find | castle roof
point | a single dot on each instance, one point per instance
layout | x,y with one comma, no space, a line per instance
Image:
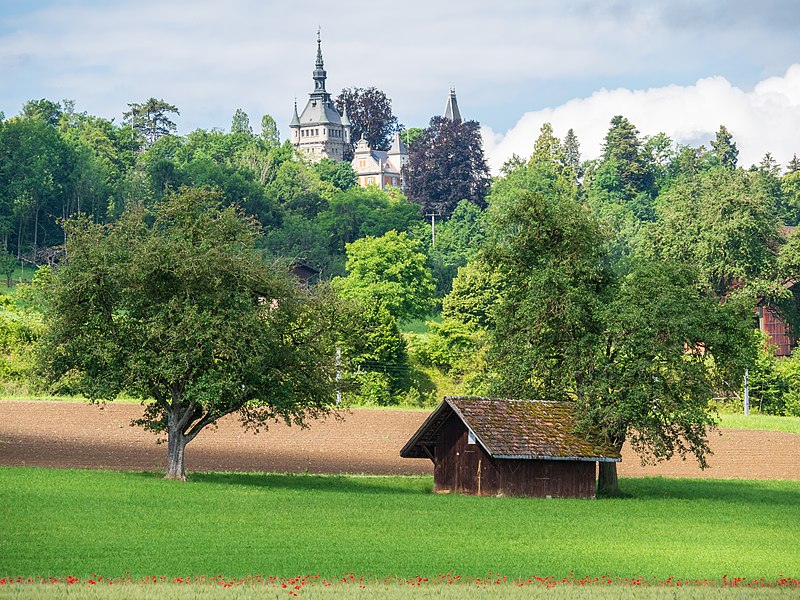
398,147
319,109
451,111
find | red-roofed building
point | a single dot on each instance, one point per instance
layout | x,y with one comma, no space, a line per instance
494,447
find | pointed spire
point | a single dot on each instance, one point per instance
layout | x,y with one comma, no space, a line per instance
345,120
320,64
295,119
451,111
319,72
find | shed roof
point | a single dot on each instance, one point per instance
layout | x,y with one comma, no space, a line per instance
523,429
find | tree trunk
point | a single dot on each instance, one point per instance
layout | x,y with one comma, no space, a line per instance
607,482
176,443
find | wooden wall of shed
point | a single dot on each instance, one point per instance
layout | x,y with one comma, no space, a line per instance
467,469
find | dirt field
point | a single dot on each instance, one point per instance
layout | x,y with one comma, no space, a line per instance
78,435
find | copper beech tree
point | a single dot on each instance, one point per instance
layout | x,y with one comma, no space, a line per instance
174,306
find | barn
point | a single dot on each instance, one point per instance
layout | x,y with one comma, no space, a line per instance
492,447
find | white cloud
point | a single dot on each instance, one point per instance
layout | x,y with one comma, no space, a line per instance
766,119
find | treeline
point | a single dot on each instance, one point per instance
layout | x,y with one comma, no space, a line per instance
607,279
648,211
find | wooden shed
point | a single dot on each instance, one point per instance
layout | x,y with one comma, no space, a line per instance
491,447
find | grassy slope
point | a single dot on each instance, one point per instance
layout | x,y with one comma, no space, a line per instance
761,422
83,522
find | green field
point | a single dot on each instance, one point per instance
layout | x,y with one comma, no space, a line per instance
760,422
80,523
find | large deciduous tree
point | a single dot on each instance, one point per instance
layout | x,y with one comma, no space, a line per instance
175,307
446,165
724,222
391,271
150,119
632,351
370,115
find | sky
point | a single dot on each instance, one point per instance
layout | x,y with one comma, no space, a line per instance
682,67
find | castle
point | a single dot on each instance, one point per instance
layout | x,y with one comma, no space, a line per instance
321,132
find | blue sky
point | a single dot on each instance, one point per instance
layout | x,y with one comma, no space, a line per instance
679,66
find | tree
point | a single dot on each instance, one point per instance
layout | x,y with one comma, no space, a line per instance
457,242
240,123
629,175
446,165
269,131
36,172
340,174
567,326
175,307
724,148
390,271
547,148
572,154
723,222
8,264
150,119
370,115
45,110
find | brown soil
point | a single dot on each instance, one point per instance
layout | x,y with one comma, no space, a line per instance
78,435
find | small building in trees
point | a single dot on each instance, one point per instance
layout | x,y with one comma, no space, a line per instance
378,167
305,273
778,332
494,447
320,131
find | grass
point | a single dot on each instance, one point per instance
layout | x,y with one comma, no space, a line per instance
79,523
761,422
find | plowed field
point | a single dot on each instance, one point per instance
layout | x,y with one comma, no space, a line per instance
79,435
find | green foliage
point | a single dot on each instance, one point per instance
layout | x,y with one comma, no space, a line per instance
724,149
390,527
374,352
723,222
36,169
775,382
269,131
360,212
240,123
568,326
175,304
20,328
450,346
339,174
477,290
458,240
150,119
8,265
391,271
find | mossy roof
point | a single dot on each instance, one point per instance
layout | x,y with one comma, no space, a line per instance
519,429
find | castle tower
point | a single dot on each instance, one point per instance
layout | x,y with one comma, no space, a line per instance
451,111
320,131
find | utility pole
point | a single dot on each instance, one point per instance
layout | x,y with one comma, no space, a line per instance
433,216
746,394
338,375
